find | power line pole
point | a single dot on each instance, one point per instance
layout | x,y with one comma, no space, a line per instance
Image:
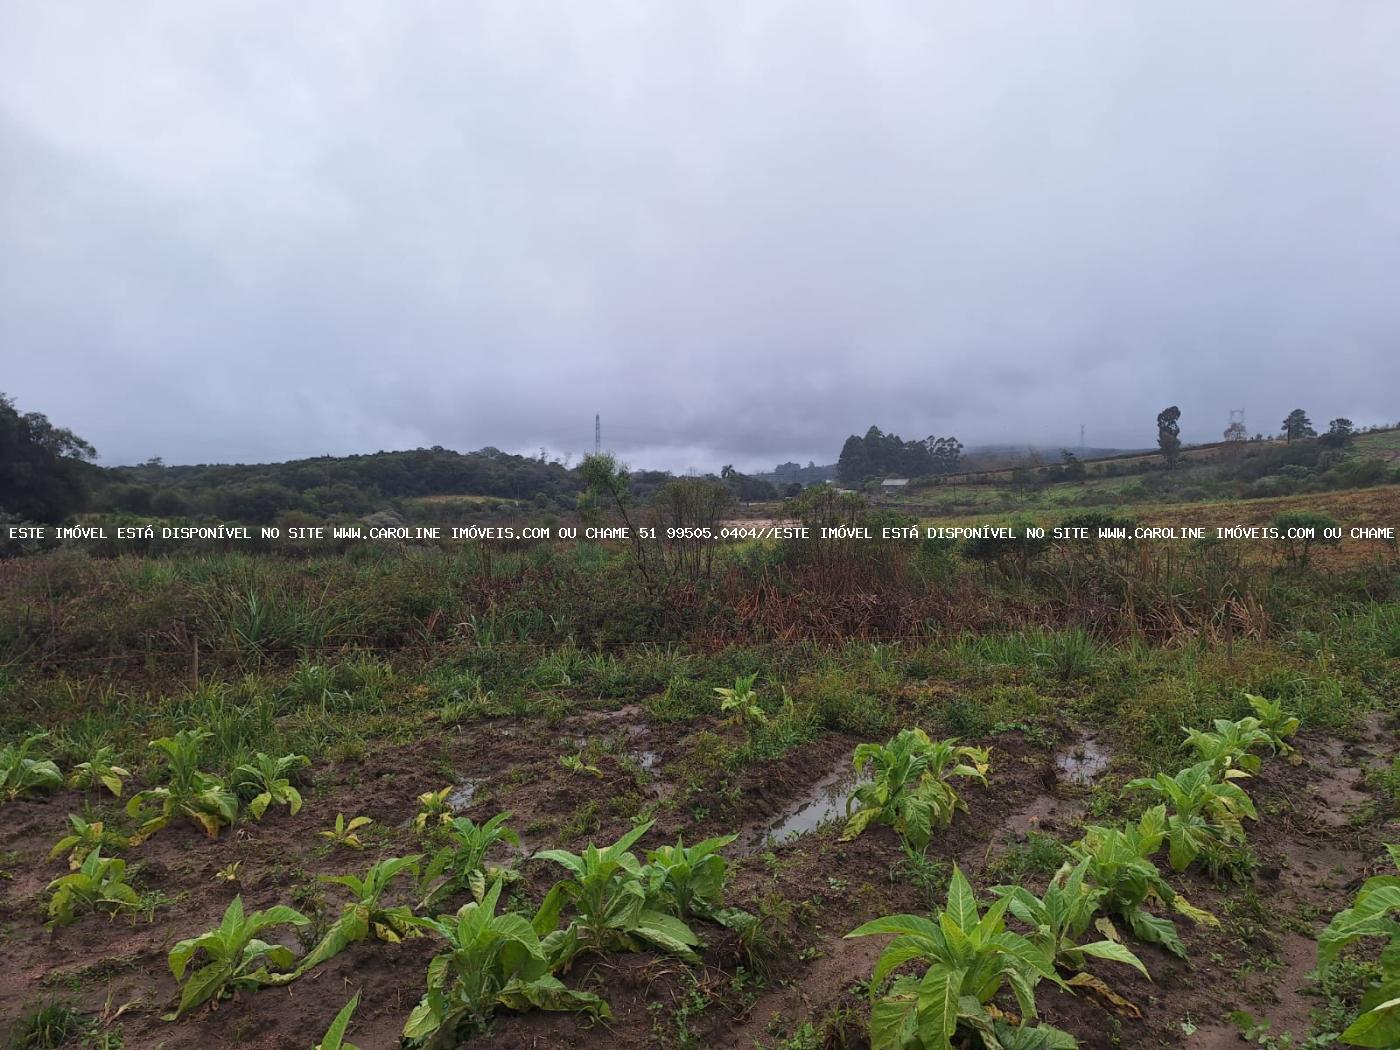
1081,438
597,433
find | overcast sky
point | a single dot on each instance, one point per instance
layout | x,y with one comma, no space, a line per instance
238,231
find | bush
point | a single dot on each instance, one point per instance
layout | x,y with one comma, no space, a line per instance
1355,474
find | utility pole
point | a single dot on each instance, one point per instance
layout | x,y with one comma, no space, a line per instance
597,433
1081,438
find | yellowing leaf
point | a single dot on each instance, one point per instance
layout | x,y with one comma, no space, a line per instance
1111,999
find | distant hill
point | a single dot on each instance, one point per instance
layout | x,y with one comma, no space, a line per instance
996,457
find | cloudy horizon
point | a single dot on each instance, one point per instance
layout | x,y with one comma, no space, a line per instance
240,231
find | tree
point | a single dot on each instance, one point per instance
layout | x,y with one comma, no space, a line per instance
878,454
946,452
1339,433
1297,426
1073,469
1169,434
687,515
41,468
1236,432
606,484
853,464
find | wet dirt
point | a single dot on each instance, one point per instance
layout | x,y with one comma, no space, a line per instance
825,801
1306,869
460,800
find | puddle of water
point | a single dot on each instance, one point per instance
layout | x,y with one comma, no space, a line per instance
1043,810
825,801
461,798
1083,762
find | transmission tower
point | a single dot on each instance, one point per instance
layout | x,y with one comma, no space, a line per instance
1236,431
597,433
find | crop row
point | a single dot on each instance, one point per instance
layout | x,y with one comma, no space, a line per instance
936,984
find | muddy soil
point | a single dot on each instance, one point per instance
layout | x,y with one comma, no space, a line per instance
1318,834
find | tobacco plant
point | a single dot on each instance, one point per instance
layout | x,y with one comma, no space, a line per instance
1060,918
21,773
202,797
98,771
99,884
1207,813
491,960
334,1039
266,781
689,880
1275,722
576,764
343,833
461,864
365,915
911,787
232,955
85,838
1230,746
740,703
433,809
608,895
1119,861
967,957
231,872
1374,913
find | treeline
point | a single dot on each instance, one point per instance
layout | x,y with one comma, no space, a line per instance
43,468
329,486
46,476
879,455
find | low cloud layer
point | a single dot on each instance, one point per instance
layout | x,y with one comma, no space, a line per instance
249,231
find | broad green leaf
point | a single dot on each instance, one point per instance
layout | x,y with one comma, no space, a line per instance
962,903
938,994
1114,952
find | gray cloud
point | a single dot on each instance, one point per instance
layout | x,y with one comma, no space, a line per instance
238,231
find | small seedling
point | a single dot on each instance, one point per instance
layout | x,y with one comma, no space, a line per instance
343,834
